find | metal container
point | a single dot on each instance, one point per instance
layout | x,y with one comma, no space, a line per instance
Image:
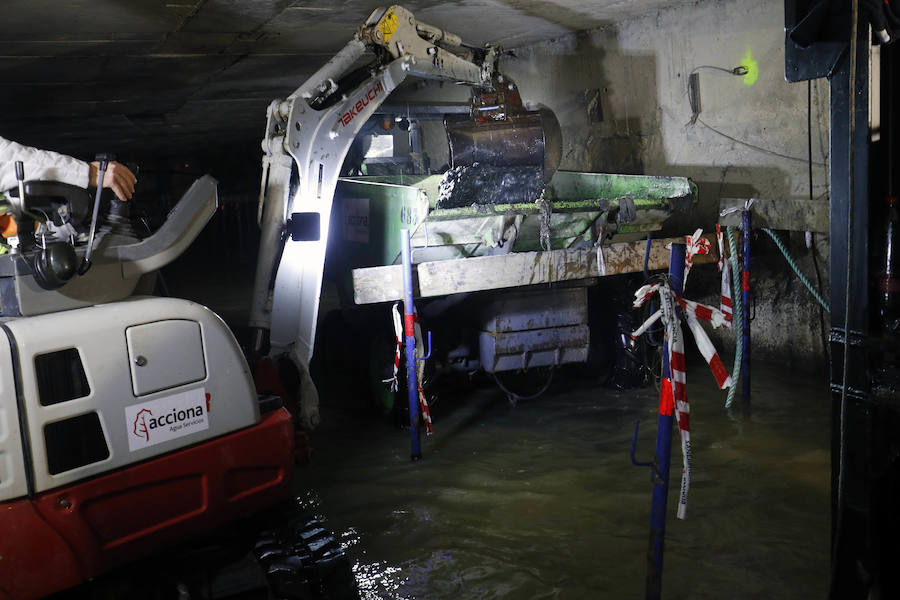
372,210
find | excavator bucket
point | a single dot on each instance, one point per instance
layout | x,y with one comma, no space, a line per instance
501,133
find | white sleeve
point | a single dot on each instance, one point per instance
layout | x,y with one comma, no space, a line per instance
40,165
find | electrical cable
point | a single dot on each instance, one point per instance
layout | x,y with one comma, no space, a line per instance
694,86
754,146
842,419
695,107
851,176
815,260
517,397
740,70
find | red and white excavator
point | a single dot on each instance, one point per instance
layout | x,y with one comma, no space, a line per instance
130,423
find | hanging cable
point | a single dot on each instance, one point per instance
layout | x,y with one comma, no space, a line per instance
515,397
851,197
815,259
739,70
754,146
842,419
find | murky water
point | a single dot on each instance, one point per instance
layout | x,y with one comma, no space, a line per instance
541,500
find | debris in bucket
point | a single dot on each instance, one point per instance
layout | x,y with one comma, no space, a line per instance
487,184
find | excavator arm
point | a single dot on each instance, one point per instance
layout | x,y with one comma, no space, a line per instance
308,134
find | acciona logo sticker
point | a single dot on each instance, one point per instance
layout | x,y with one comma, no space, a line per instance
169,418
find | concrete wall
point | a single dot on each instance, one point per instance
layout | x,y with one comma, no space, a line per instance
749,141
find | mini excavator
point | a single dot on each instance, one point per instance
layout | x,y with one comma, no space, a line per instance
309,133
130,423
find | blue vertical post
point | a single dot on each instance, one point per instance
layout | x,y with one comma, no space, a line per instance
745,300
664,426
409,328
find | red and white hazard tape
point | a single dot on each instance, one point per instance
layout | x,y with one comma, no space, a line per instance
721,247
398,334
723,379
420,373
726,304
420,366
713,316
696,244
673,396
682,413
644,293
693,312
426,412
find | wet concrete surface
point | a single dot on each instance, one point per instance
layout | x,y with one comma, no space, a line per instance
541,500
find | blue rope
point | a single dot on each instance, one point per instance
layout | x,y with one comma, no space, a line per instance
737,316
652,331
796,269
647,254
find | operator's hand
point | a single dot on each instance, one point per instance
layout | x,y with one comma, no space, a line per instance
119,179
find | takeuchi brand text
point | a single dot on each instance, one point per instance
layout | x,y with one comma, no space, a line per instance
363,102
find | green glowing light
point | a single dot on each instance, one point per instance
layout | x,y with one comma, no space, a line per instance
752,68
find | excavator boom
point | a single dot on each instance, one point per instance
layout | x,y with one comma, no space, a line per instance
309,133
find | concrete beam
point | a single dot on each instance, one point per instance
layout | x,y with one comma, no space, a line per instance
441,278
790,214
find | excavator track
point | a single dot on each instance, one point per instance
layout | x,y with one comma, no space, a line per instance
302,559
284,553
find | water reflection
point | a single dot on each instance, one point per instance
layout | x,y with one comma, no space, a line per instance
379,580
541,500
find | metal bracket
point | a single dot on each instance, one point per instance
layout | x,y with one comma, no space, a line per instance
637,463
852,392
857,338
427,356
857,384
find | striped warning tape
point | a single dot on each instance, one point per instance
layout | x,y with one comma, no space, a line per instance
398,332
726,304
673,396
394,381
696,244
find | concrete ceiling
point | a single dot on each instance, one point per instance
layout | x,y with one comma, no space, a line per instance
168,78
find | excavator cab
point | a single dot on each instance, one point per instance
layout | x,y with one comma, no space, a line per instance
46,229
128,423
47,241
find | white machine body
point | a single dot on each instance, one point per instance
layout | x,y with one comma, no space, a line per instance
92,390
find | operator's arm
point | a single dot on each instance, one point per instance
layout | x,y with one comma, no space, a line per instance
44,165
40,165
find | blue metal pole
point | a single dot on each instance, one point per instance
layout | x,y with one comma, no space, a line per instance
409,328
664,425
745,299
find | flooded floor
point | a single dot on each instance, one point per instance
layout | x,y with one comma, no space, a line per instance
541,500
